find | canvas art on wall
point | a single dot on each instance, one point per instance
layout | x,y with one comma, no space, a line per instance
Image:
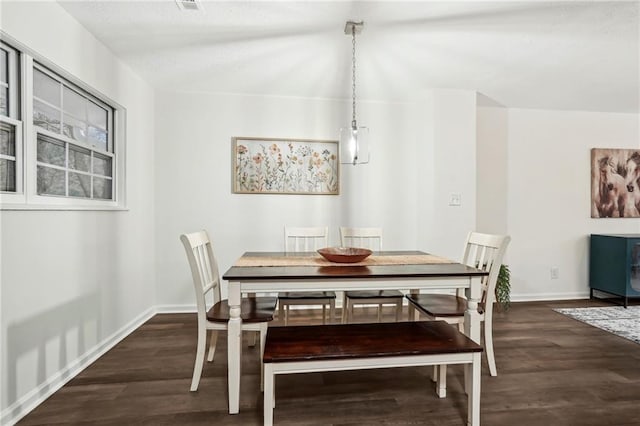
615,175
285,166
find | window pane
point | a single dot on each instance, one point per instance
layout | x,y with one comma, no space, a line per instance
7,140
79,158
4,66
102,188
46,88
4,101
79,185
74,104
50,181
97,138
97,115
101,165
74,128
46,117
51,151
7,175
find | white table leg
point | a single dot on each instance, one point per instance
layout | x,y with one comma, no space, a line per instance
472,322
471,316
234,342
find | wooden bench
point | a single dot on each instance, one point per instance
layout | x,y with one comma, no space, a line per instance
306,349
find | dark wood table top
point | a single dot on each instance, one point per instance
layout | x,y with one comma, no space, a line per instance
346,271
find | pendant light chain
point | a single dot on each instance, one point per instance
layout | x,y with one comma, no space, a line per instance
353,76
354,140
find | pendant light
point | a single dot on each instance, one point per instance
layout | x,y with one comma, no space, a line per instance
354,140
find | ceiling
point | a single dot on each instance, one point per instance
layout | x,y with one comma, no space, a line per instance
563,55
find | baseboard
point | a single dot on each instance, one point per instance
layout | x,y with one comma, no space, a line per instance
176,309
16,411
541,297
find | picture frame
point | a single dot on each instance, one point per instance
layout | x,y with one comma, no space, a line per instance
285,166
615,183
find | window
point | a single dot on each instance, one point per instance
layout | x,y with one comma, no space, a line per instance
61,142
10,134
7,157
4,81
74,149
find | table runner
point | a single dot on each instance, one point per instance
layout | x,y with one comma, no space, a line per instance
317,260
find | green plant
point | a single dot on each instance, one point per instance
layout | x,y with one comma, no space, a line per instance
503,288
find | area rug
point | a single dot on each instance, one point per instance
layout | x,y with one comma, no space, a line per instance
614,319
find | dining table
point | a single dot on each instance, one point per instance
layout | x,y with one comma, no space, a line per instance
407,270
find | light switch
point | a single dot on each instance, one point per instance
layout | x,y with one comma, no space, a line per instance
455,199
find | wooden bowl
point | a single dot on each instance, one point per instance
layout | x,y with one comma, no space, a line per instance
344,254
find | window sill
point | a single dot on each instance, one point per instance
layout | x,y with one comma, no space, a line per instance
17,207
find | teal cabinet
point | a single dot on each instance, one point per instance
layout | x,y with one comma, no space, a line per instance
614,265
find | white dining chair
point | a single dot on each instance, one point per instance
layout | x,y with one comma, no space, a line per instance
212,311
370,238
306,239
482,251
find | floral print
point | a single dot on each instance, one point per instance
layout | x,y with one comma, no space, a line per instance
286,166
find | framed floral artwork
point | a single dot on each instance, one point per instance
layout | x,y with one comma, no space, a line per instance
285,166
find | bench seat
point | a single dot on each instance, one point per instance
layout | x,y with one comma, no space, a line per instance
304,349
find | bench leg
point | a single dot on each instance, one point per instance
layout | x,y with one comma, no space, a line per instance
269,399
473,415
441,380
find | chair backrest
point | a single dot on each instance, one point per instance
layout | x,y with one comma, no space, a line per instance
485,251
305,239
204,269
370,238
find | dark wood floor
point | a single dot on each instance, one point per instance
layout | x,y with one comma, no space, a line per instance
552,371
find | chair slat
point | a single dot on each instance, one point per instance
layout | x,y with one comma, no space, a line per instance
483,251
306,240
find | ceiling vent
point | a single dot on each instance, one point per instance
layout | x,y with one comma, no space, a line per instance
189,4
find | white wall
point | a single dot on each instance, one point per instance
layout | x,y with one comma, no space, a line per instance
492,178
548,193
193,159
452,127
72,282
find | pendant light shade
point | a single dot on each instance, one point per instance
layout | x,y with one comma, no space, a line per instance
354,140
354,145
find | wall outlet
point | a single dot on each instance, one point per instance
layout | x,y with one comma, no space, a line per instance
555,272
455,199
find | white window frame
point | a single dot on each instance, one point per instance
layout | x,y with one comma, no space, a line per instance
15,67
17,125
28,198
